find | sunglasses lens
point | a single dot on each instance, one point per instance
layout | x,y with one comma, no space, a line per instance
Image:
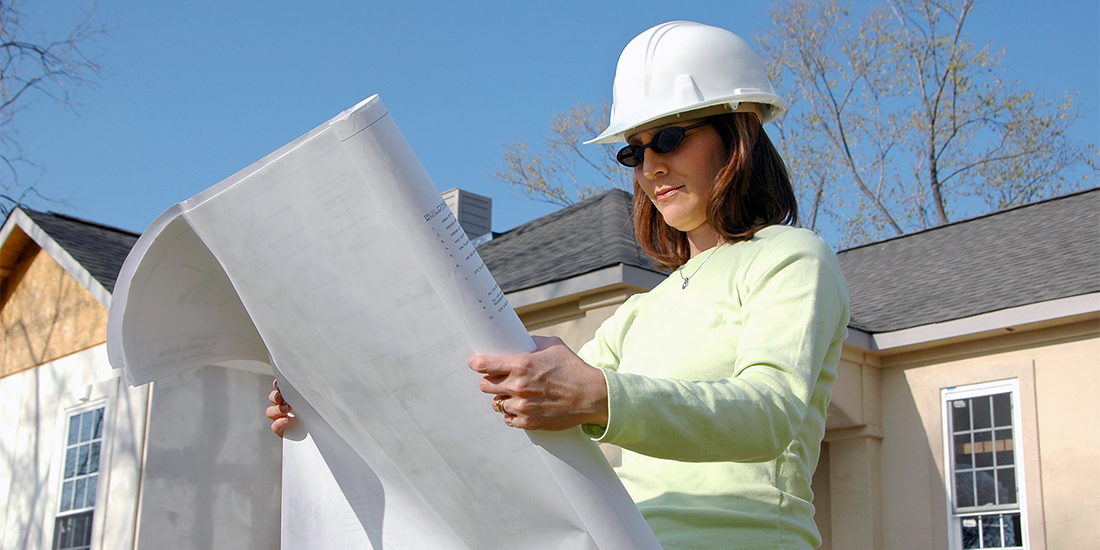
663,142
666,140
628,156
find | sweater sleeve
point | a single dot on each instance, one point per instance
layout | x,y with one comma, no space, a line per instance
794,314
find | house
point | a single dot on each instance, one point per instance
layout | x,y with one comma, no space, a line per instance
963,415
965,407
997,314
89,462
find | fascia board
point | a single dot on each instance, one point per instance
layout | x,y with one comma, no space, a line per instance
884,341
859,338
616,274
985,322
57,252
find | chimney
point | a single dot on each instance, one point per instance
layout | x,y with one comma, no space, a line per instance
474,212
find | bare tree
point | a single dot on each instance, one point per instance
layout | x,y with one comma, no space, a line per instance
565,171
35,66
898,123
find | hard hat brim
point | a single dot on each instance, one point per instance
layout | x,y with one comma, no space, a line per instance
767,106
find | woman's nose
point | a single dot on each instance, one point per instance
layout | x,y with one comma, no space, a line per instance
653,165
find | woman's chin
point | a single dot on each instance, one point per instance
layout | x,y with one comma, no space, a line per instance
680,224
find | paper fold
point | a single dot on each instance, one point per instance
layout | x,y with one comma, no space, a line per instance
335,260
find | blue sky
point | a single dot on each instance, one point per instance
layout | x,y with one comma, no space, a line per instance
194,91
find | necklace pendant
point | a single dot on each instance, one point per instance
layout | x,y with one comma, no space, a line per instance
685,285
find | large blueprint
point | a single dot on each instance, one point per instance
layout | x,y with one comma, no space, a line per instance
335,260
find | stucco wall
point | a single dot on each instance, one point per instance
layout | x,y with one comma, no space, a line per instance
212,466
34,406
212,472
575,321
880,480
1060,450
822,504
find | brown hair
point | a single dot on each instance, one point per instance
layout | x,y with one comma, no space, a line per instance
752,191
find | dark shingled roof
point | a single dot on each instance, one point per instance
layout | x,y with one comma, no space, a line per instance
584,237
1032,253
99,248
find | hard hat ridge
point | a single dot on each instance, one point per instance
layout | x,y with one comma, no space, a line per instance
680,67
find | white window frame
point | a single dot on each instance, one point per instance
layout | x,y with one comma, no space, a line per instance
954,519
101,477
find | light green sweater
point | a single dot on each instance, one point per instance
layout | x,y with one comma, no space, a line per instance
717,392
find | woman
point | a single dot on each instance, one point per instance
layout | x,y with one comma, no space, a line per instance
715,383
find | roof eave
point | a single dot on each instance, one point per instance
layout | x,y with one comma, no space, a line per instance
19,218
1004,320
612,275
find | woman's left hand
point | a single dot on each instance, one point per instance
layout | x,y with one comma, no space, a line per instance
546,389
279,412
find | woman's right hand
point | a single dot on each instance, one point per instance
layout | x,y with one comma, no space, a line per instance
279,412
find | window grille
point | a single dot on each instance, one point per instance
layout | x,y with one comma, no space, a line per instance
80,481
983,466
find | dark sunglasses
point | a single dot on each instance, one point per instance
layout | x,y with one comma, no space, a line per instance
664,141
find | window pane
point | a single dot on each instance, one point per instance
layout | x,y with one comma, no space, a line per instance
82,460
73,532
70,463
78,493
74,430
970,535
980,406
93,459
1003,446
82,532
960,415
984,472
964,459
991,531
987,487
67,496
87,425
63,533
1002,409
1014,534
983,449
1006,481
97,419
89,492
80,484
964,489
86,541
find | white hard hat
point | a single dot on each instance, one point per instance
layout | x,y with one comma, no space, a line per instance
680,67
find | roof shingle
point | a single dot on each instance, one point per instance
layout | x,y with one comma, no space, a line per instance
99,248
581,238
1032,253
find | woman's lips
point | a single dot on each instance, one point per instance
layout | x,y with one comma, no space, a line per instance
667,193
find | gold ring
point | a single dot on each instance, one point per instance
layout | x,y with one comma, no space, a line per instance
498,405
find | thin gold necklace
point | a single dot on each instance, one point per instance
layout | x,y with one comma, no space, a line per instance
688,278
